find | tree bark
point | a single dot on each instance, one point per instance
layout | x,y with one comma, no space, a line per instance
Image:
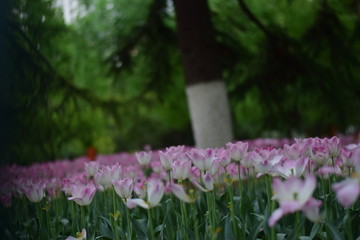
206,92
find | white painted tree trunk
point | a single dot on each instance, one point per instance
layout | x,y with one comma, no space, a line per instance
210,114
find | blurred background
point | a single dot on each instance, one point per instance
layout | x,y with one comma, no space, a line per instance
107,74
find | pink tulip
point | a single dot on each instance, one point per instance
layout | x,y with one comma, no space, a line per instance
35,191
347,191
295,151
202,159
180,193
102,180
171,154
333,145
266,160
155,192
144,158
181,169
83,194
208,183
294,195
91,168
292,167
237,150
124,187
140,189
224,157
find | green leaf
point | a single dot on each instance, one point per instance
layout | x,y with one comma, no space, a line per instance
315,229
296,229
227,228
140,228
102,237
334,231
105,230
254,232
280,236
159,228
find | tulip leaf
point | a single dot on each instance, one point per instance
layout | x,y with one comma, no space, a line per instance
105,230
280,236
305,238
140,228
227,228
158,228
254,232
334,231
315,229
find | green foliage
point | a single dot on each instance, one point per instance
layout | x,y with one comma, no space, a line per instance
113,79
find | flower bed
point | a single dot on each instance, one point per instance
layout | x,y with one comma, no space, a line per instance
302,189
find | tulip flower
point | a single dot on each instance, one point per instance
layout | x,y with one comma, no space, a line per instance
144,158
208,183
295,195
295,151
168,157
140,189
292,167
224,157
102,180
124,188
181,169
202,159
180,193
82,194
348,190
35,191
333,145
237,150
91,168
155,192
266,160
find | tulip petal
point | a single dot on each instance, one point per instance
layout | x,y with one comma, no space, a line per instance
138,201
275,216
347,191
155,192
196,184
180,193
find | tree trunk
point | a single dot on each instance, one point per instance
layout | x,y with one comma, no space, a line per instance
206,92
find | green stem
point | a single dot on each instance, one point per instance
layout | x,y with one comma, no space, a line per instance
150,228
50,232
348,225
299,231
240,202
213,202
211,224
323,186
82,217
270,204
231,205
129,225
73,217
114,201
114,215
39,214
184,219
196,228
